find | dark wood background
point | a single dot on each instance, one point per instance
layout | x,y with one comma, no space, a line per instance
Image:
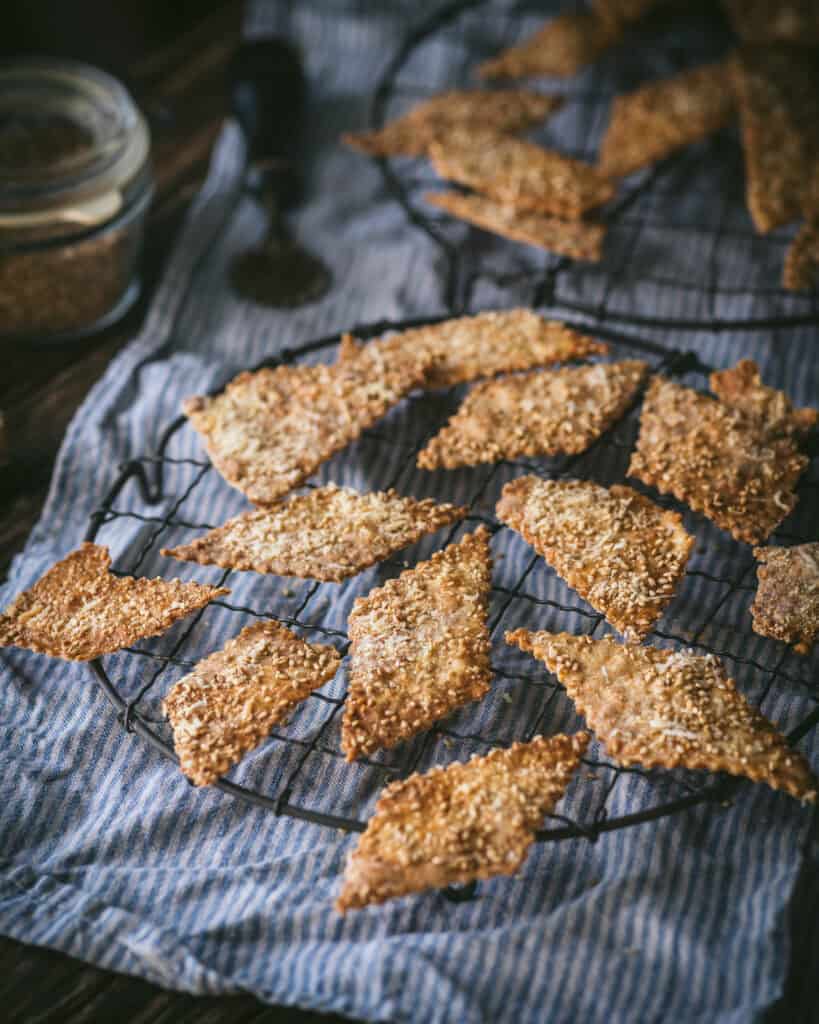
172,54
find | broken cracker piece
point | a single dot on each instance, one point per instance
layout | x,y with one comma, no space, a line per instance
621,552
544,412
329,534
502,110
561,47
716,460
768,21
232,699
786,606
771,410
577,239
655,120
269,430
668,709
520,174
79,610
419,647
801,270
460,823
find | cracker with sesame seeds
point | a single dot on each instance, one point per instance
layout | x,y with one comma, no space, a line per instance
419,647
801,270
234,697
330,534
269,430
544,412
79,610
786,606
668,709
467,821
577,239
740,387
764,21
561,47
657,119
618,550
716,460
520,174
468,348
502,110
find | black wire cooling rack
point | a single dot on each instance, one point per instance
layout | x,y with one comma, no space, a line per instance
680,241
710,614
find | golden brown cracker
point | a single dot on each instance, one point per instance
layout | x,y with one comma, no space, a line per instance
561,47
786,606
741,388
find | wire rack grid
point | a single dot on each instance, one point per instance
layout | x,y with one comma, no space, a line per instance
300,770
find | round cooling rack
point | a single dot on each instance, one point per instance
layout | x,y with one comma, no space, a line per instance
681,251
155,493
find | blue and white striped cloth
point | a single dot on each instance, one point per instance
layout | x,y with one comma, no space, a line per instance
109,855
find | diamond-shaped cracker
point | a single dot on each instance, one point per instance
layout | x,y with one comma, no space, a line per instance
766,21
419,647
618,550
78,610
498,341
232,699
655,120
561,47
460,823
668,709
778,95
545,412
269,430
577,239
786,606
520,174
329,534
716,460
502,110
741,388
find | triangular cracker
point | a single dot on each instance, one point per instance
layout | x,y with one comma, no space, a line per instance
668,709
545,412
766,21
268,431
78,610
520,173
577,239
771,410
801,270
618,550
232,699
460,823
502,110
786,606
655,120
329,534
716,460
561,47
419,647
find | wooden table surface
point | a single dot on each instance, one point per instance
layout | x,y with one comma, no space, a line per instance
173,58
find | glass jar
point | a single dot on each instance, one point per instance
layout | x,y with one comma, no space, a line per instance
75,185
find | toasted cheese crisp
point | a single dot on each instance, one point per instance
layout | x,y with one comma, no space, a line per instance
499,341
329,534
716,460
561,47
460,823
767,21
268,431
741,388
655,120
668,709
577,239
618,550
78,610
778,95
520,174
786,606
801,270
232,699
419,647
545,412
501,110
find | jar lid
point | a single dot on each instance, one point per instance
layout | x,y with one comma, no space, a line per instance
71,141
